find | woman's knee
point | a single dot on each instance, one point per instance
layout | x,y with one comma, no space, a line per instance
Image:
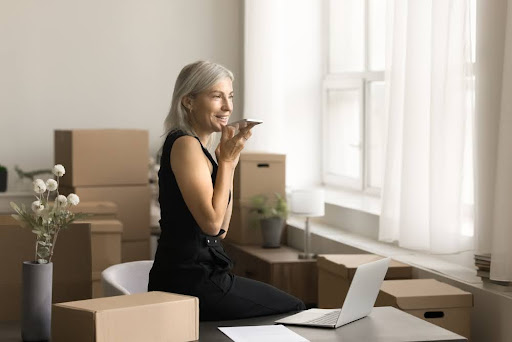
300,305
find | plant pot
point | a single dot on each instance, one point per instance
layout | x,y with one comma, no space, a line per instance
3,180
36,302
271,230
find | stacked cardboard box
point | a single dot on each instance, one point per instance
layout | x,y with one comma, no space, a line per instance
106,232
431,300
257,173
336,271
110,165
71,265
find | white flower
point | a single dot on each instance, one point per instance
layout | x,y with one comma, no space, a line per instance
62,200
73,199
39,186
51,184
59,170
37,207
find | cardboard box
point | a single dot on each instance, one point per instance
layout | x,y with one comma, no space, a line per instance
150,316
431,300
336,271
259,173
71,265
100,210
105,243
132,203
244,227
135,250
95,157
97,287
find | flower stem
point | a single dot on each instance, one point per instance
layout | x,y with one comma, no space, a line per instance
37,243
53,243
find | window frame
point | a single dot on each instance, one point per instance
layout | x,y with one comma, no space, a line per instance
348,80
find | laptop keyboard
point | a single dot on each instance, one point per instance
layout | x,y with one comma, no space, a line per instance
329,318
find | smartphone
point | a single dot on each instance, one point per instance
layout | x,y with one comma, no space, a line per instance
244,123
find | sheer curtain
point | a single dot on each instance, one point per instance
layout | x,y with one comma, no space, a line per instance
428,100
263,82
493,135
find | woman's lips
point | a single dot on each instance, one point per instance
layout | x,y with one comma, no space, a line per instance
223,119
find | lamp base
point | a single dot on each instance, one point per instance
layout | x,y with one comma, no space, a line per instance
307,256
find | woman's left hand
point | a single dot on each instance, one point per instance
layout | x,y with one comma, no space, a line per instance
239,139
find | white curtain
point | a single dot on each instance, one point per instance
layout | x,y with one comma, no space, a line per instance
493,136
283,47
426,73
263,83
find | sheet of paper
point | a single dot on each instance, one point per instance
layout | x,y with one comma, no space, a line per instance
258,333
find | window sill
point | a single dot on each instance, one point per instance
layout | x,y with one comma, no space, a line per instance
19,197
327,239
353,200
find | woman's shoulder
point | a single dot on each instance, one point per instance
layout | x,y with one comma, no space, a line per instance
174,135
180,140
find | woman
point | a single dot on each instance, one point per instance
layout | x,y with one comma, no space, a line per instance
195,202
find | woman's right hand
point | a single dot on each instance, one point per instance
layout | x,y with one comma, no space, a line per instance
231,144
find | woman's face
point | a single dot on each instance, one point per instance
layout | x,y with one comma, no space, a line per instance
210,110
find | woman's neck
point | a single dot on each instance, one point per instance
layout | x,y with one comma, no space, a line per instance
203,136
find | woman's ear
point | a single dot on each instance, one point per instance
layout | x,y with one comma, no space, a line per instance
186,101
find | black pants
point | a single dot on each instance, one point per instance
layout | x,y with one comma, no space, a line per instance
245,298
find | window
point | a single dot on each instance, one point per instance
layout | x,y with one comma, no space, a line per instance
353,92
354,97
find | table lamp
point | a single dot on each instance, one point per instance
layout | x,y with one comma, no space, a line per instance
307,203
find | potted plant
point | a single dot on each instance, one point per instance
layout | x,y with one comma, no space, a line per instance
47,216
272,215
3,178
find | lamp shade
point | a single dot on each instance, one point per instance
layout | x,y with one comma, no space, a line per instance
308,202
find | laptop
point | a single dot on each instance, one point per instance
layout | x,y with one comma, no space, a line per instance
359,302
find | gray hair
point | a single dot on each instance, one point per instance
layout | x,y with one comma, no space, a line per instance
193,79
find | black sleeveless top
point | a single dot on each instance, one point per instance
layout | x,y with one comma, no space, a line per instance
186,257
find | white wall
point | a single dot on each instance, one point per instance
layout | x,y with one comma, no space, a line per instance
102,64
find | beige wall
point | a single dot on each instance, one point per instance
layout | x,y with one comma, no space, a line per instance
102,64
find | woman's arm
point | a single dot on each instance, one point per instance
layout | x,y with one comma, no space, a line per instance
227,218
208,204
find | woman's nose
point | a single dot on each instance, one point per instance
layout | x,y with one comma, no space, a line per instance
227,105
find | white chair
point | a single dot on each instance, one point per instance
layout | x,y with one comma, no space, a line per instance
126,278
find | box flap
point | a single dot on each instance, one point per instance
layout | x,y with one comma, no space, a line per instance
96,207
345,265
104,226
411,294
262,156
126,301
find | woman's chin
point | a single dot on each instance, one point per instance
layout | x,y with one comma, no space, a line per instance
220,125
218,128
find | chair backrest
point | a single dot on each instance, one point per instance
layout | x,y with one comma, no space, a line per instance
126,278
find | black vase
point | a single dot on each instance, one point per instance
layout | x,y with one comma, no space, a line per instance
3,180
271,231
36,307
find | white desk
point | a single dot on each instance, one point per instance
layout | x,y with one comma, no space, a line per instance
384,324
